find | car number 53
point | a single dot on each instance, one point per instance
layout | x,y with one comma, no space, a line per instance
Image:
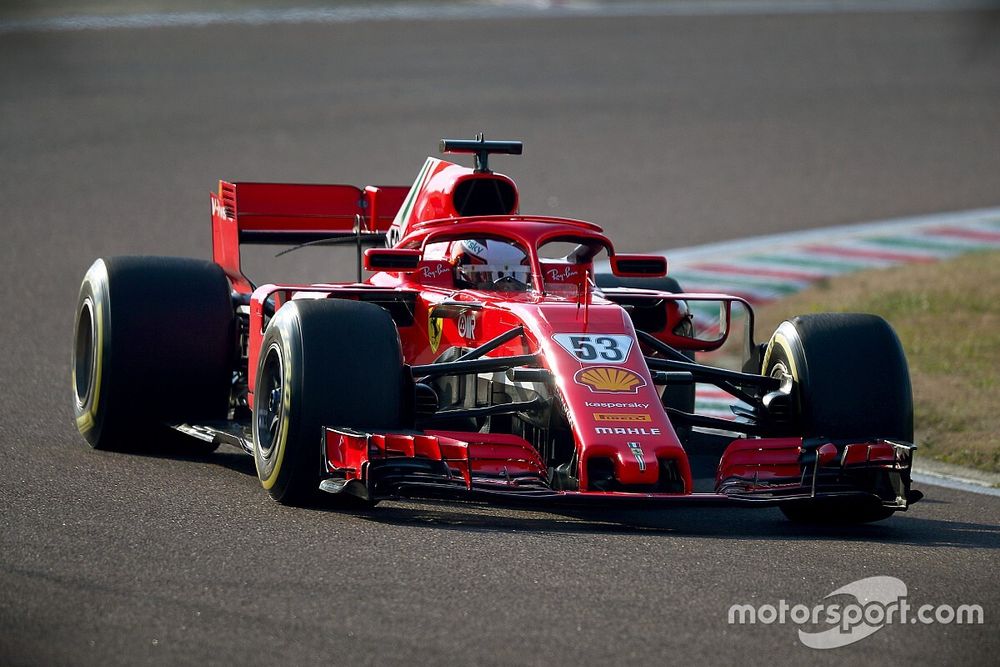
600,348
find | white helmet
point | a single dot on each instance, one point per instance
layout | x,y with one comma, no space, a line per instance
491,265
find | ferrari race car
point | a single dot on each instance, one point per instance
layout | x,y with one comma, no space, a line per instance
489,356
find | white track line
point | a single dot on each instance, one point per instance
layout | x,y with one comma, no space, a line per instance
498,9
956,483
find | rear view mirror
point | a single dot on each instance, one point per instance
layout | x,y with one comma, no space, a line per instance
639,266
703,323
397,260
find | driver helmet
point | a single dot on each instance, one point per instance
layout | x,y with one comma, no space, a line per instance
490,264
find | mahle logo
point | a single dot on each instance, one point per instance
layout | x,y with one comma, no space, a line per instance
878,602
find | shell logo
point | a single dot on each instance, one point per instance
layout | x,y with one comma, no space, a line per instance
609,380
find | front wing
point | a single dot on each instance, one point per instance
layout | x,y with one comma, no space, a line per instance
505,469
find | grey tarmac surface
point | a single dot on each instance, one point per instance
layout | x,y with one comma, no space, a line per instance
670,131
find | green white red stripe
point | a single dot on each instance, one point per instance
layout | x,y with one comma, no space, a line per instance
767,268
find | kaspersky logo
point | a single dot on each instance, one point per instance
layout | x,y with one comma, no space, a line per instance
595,404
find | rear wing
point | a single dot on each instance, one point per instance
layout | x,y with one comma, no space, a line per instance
293,214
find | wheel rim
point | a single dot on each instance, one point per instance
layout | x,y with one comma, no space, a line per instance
84,355
270,402
779,371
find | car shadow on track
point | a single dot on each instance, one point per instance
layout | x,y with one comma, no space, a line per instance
910,528
740,524
183,449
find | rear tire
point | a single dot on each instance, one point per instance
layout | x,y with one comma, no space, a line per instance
323,362
153,344
851,381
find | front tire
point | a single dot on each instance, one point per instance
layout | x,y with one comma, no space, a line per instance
851,380
323,362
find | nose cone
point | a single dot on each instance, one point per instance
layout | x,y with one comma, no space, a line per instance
637,465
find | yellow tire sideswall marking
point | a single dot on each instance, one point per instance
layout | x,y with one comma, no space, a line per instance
86,421
286,402
781,341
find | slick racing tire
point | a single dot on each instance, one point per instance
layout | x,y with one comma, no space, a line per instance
154,344
323,362
851,380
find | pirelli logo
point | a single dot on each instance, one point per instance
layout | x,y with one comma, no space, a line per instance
623,417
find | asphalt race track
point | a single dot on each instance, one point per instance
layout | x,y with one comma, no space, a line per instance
670,131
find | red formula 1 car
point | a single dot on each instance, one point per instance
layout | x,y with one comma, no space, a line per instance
483,358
